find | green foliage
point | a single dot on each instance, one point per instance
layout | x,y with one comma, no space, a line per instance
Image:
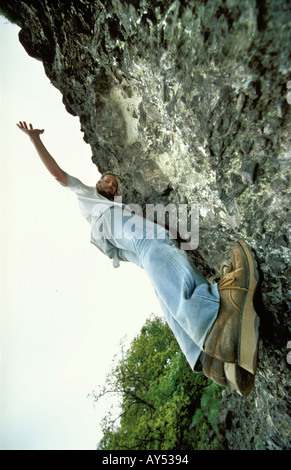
203,421
159,395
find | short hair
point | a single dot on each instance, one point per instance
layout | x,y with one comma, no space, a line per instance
119,190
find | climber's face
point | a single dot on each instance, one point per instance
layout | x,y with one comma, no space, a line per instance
107,186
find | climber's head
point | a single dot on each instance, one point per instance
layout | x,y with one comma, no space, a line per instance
108,186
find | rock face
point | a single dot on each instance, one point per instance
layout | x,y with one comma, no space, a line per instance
187,101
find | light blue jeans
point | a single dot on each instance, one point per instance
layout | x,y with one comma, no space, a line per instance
189,302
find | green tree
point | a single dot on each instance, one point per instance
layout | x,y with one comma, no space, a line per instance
158,393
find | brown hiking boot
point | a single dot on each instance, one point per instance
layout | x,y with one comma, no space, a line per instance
214,370
233,338
228,375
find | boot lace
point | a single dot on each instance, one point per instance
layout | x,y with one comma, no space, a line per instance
228,276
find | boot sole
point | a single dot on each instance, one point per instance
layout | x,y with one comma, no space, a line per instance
249,322
239,379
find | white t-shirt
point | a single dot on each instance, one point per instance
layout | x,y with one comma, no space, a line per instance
92,204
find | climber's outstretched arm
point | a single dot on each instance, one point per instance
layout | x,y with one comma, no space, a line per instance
44,155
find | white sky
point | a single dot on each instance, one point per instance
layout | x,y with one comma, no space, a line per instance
64,308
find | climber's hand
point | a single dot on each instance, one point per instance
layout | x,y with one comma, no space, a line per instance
31,132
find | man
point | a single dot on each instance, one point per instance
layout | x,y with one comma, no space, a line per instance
215,325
